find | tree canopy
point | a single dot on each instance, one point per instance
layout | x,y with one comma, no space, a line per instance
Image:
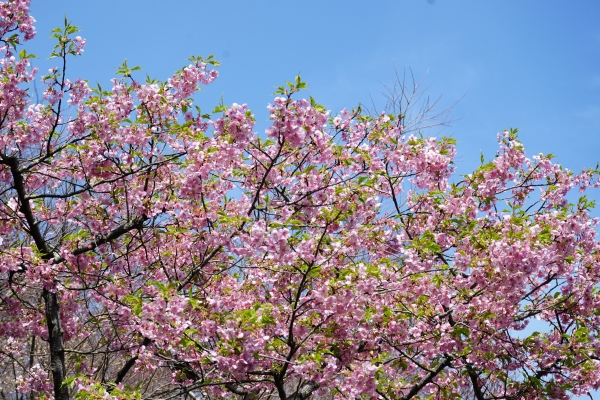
152,250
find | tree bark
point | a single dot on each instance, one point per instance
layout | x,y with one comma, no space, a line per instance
55,342
304,391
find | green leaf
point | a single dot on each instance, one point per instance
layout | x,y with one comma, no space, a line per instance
295,222
299,83
220,108
69,381
317,107
373,270
23,55
125,70
461,330
280,90
362,179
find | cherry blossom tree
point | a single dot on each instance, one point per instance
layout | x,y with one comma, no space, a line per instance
150,250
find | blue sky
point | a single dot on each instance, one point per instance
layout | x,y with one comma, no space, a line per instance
532,64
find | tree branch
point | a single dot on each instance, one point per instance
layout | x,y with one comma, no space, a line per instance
130,363
52,308
120,230
427,379
304,391
475,382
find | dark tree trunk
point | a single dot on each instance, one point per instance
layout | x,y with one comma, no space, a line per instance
52,311
55,342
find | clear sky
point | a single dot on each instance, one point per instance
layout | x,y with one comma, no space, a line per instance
530,64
